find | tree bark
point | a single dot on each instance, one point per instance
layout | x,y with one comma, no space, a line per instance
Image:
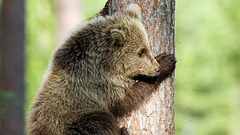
156,117
12,67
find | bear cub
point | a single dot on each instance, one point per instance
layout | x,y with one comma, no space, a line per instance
102,71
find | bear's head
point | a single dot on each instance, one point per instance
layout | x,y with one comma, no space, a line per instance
108,45
129,50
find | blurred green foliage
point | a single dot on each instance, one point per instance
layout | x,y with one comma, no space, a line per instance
207,78
40,41
207,96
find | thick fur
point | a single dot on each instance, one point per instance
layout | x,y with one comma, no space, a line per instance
102,71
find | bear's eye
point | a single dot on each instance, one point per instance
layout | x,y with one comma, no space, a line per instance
142,53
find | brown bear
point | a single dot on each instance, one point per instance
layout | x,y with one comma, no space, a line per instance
102,71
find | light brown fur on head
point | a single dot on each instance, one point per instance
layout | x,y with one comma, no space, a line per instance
93,77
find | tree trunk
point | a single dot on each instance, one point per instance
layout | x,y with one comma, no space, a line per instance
12,67
68,16
156,117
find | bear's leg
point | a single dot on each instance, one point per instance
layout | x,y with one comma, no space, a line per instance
142,90
96,123
167,63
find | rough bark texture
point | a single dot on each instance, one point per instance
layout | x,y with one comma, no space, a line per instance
12,67
155,117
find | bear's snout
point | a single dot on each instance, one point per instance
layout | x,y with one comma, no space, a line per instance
158,69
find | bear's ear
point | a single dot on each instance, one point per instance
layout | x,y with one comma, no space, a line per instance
133,10
105,11
118,36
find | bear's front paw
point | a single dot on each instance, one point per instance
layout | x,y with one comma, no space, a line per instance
167,63
123,131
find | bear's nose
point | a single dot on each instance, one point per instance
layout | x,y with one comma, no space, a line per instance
158,69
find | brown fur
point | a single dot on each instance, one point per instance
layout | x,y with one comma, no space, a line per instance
102,71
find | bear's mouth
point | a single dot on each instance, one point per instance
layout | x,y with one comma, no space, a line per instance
145,78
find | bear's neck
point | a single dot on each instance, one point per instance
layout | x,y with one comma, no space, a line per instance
93,85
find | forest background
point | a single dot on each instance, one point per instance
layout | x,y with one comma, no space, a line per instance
207,77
